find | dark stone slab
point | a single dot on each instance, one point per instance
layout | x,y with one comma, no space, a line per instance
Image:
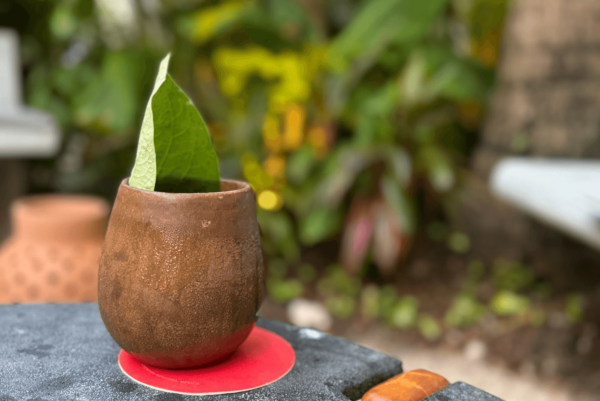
63,352
460,391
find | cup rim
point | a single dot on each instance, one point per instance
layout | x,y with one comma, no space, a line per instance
241,187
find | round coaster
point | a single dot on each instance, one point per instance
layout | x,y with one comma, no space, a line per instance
262,359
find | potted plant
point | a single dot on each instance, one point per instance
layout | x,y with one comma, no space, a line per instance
181,273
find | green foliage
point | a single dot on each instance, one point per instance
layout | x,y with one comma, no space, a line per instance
307,273
405,312
319,108
476,270
108,102
338,282
429,327
507,303
388,297
284,290
279,288
512,276
384,22
341,306
458,242
437,231
175,153
319,224
400,203
185,158
464,311
277,268
144,171
574,307
369,301
537,317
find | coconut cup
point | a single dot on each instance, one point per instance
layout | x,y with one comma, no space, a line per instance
181,275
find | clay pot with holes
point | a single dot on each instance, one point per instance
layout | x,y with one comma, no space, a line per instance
53,252
182,274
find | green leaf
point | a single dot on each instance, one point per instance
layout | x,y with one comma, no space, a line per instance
341,306
106,102
319,224
384,21
388,296
400,202
574,308
436,71
370,301
175,153
63,23
438,168
300,164
459,242
185,158
404,315
338,282
429,327
143,175
464,311
512,276
507,303
282,291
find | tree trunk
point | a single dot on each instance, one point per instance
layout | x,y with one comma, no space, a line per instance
547,103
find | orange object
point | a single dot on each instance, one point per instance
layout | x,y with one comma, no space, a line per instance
410,386
53,253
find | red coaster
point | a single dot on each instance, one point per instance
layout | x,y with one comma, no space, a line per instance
262,359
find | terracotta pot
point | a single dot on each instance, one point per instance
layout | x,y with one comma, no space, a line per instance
52,255
181,275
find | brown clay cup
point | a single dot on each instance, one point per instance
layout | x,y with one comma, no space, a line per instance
181,275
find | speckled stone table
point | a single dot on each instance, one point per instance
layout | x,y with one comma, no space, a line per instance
63,352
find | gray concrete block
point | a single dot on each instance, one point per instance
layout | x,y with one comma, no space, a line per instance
63,352
460,391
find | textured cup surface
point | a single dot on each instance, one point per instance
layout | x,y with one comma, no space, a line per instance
181,275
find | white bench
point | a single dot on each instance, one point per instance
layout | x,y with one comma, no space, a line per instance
24,132
561,192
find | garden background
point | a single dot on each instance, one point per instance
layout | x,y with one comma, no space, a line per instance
359,125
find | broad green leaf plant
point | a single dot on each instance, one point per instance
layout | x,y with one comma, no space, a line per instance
175,153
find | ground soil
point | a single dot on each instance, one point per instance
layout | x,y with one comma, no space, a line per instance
511,358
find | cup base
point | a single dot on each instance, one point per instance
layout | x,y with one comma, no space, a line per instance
262,359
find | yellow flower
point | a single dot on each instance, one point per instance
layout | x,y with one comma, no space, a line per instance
293,134
233,84
288,74
270,200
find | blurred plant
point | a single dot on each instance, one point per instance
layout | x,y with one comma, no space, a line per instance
429,327
280,288
405,313
340,291
365,112
465,311
507,303
369,301
574,307
511,275
344,115
537,317
459,242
